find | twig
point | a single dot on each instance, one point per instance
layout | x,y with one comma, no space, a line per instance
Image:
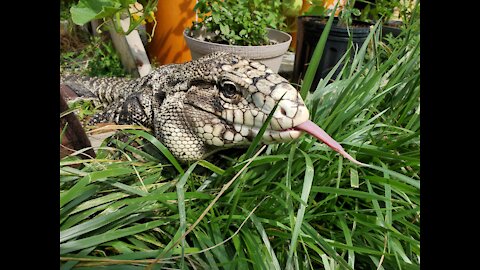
108,128
106,261
76,152
383,255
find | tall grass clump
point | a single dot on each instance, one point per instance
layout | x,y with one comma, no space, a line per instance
296,205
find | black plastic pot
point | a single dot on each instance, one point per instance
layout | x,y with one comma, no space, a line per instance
391,27
309,30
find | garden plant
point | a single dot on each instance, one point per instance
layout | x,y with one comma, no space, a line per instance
113,11
238,22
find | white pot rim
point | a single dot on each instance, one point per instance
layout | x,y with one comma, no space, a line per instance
252,52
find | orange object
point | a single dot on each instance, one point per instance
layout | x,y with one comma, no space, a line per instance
306,5
293,45
328,4
168,45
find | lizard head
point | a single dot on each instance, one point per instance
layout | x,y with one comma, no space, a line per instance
228,99
228,104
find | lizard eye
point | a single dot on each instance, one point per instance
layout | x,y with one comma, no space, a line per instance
229,89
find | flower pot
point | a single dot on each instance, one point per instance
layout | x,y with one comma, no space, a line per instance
309,30
168,45
270,55
392,27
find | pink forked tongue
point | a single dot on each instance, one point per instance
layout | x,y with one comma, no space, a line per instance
317,132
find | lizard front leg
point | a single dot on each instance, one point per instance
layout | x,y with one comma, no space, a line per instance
136,109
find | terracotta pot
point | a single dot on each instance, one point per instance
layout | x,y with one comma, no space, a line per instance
270,55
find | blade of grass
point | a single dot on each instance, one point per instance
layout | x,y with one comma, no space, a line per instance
349,192
91,241
326,247
181,210
266,242
307,185
361,53
348,240
399,176
254,252
62,133
288,185
70,264
233,237
78,188
354,180
211,167
88,192
96,223
316,56
160,147
134,150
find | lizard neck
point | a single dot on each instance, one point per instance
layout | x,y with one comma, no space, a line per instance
174,132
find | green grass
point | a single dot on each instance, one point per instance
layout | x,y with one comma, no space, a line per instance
296,205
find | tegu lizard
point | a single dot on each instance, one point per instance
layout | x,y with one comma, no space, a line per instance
218,101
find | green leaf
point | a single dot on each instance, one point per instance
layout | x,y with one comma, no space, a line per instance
263,234
96,223
225,29
94,240
160,147
87,10
211,167
126,3
399,176
354,181
315,60
315,11
79,187
349,192
356,12
216,18
307,185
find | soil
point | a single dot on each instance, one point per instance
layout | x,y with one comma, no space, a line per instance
393,24
355,24
212,37
72,38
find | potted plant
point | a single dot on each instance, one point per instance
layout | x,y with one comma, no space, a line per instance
248,28
343,31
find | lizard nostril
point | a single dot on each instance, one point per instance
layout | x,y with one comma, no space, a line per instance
282,111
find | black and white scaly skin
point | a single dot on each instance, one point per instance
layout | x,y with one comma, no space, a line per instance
220,100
